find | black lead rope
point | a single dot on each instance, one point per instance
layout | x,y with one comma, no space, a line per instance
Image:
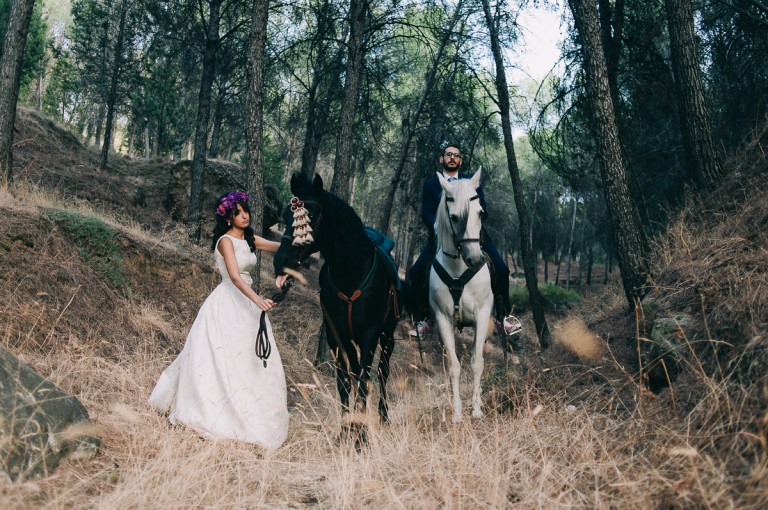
263,346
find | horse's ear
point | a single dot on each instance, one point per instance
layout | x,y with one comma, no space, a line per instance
476,178
297,180
441,179
317,184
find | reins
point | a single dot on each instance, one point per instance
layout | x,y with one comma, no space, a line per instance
263,346
456,285
457,242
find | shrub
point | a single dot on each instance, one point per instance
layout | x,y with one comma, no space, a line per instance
556,299
96,244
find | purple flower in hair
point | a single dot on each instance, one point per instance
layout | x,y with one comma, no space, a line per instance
229,202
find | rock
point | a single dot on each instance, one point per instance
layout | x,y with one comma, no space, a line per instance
661,353
40,425
220,177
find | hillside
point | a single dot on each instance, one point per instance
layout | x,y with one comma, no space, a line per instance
99,287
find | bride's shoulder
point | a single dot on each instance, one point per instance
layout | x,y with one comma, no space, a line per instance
229,240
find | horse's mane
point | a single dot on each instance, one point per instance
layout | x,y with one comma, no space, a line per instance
349,226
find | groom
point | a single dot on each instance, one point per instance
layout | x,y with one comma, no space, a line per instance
451,160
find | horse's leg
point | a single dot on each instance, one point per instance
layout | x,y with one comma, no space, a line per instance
359,370
387,346
343,380
445,327
481,333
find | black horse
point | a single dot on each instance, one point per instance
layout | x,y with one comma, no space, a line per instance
358,290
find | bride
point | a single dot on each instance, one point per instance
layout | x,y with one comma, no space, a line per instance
218,385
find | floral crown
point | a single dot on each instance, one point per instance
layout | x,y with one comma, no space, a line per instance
229,202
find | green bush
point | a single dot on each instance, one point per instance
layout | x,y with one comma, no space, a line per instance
96,244
556,299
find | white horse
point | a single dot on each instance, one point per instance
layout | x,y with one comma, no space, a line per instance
460,281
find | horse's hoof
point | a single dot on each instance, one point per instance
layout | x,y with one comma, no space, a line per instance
477,414
456,418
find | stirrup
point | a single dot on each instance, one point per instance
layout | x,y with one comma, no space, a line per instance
511,325
422,328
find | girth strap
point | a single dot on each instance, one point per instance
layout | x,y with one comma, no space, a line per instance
455,285
356,294
349,301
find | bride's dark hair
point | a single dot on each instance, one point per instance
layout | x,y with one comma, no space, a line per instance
230,206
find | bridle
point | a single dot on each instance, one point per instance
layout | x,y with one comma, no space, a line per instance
456,241
456,285
304,249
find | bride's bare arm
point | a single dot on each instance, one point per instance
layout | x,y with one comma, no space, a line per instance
265,244
227,250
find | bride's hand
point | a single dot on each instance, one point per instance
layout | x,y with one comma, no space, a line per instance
265,304
280,281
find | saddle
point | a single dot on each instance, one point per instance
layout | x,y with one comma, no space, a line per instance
384,247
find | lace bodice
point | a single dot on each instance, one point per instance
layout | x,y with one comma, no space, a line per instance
246,259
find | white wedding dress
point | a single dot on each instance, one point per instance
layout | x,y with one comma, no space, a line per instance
217,385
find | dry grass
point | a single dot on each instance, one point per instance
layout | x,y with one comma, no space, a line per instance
577,338
537,450
567,428
541,454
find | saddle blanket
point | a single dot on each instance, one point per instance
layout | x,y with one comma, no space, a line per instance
384,247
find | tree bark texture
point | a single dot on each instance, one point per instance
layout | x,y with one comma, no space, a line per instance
701,156
342,168
10,71
194,214
629,237
218,119
117,67
611,31
526,250
255,120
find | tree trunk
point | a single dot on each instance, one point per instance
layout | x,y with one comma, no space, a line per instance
570,245
412,239
429,83
529,258
218,116
147,147
117,67
255,120
630,241
342,169
611,32
701,156
194,214
98,124
317,109
10,72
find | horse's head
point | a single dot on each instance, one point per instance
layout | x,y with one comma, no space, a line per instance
302,223
458,218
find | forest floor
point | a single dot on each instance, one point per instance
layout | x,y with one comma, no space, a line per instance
100,286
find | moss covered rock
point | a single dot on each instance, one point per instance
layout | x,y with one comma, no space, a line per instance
40,425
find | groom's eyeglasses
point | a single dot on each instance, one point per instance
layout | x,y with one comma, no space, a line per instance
452,155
